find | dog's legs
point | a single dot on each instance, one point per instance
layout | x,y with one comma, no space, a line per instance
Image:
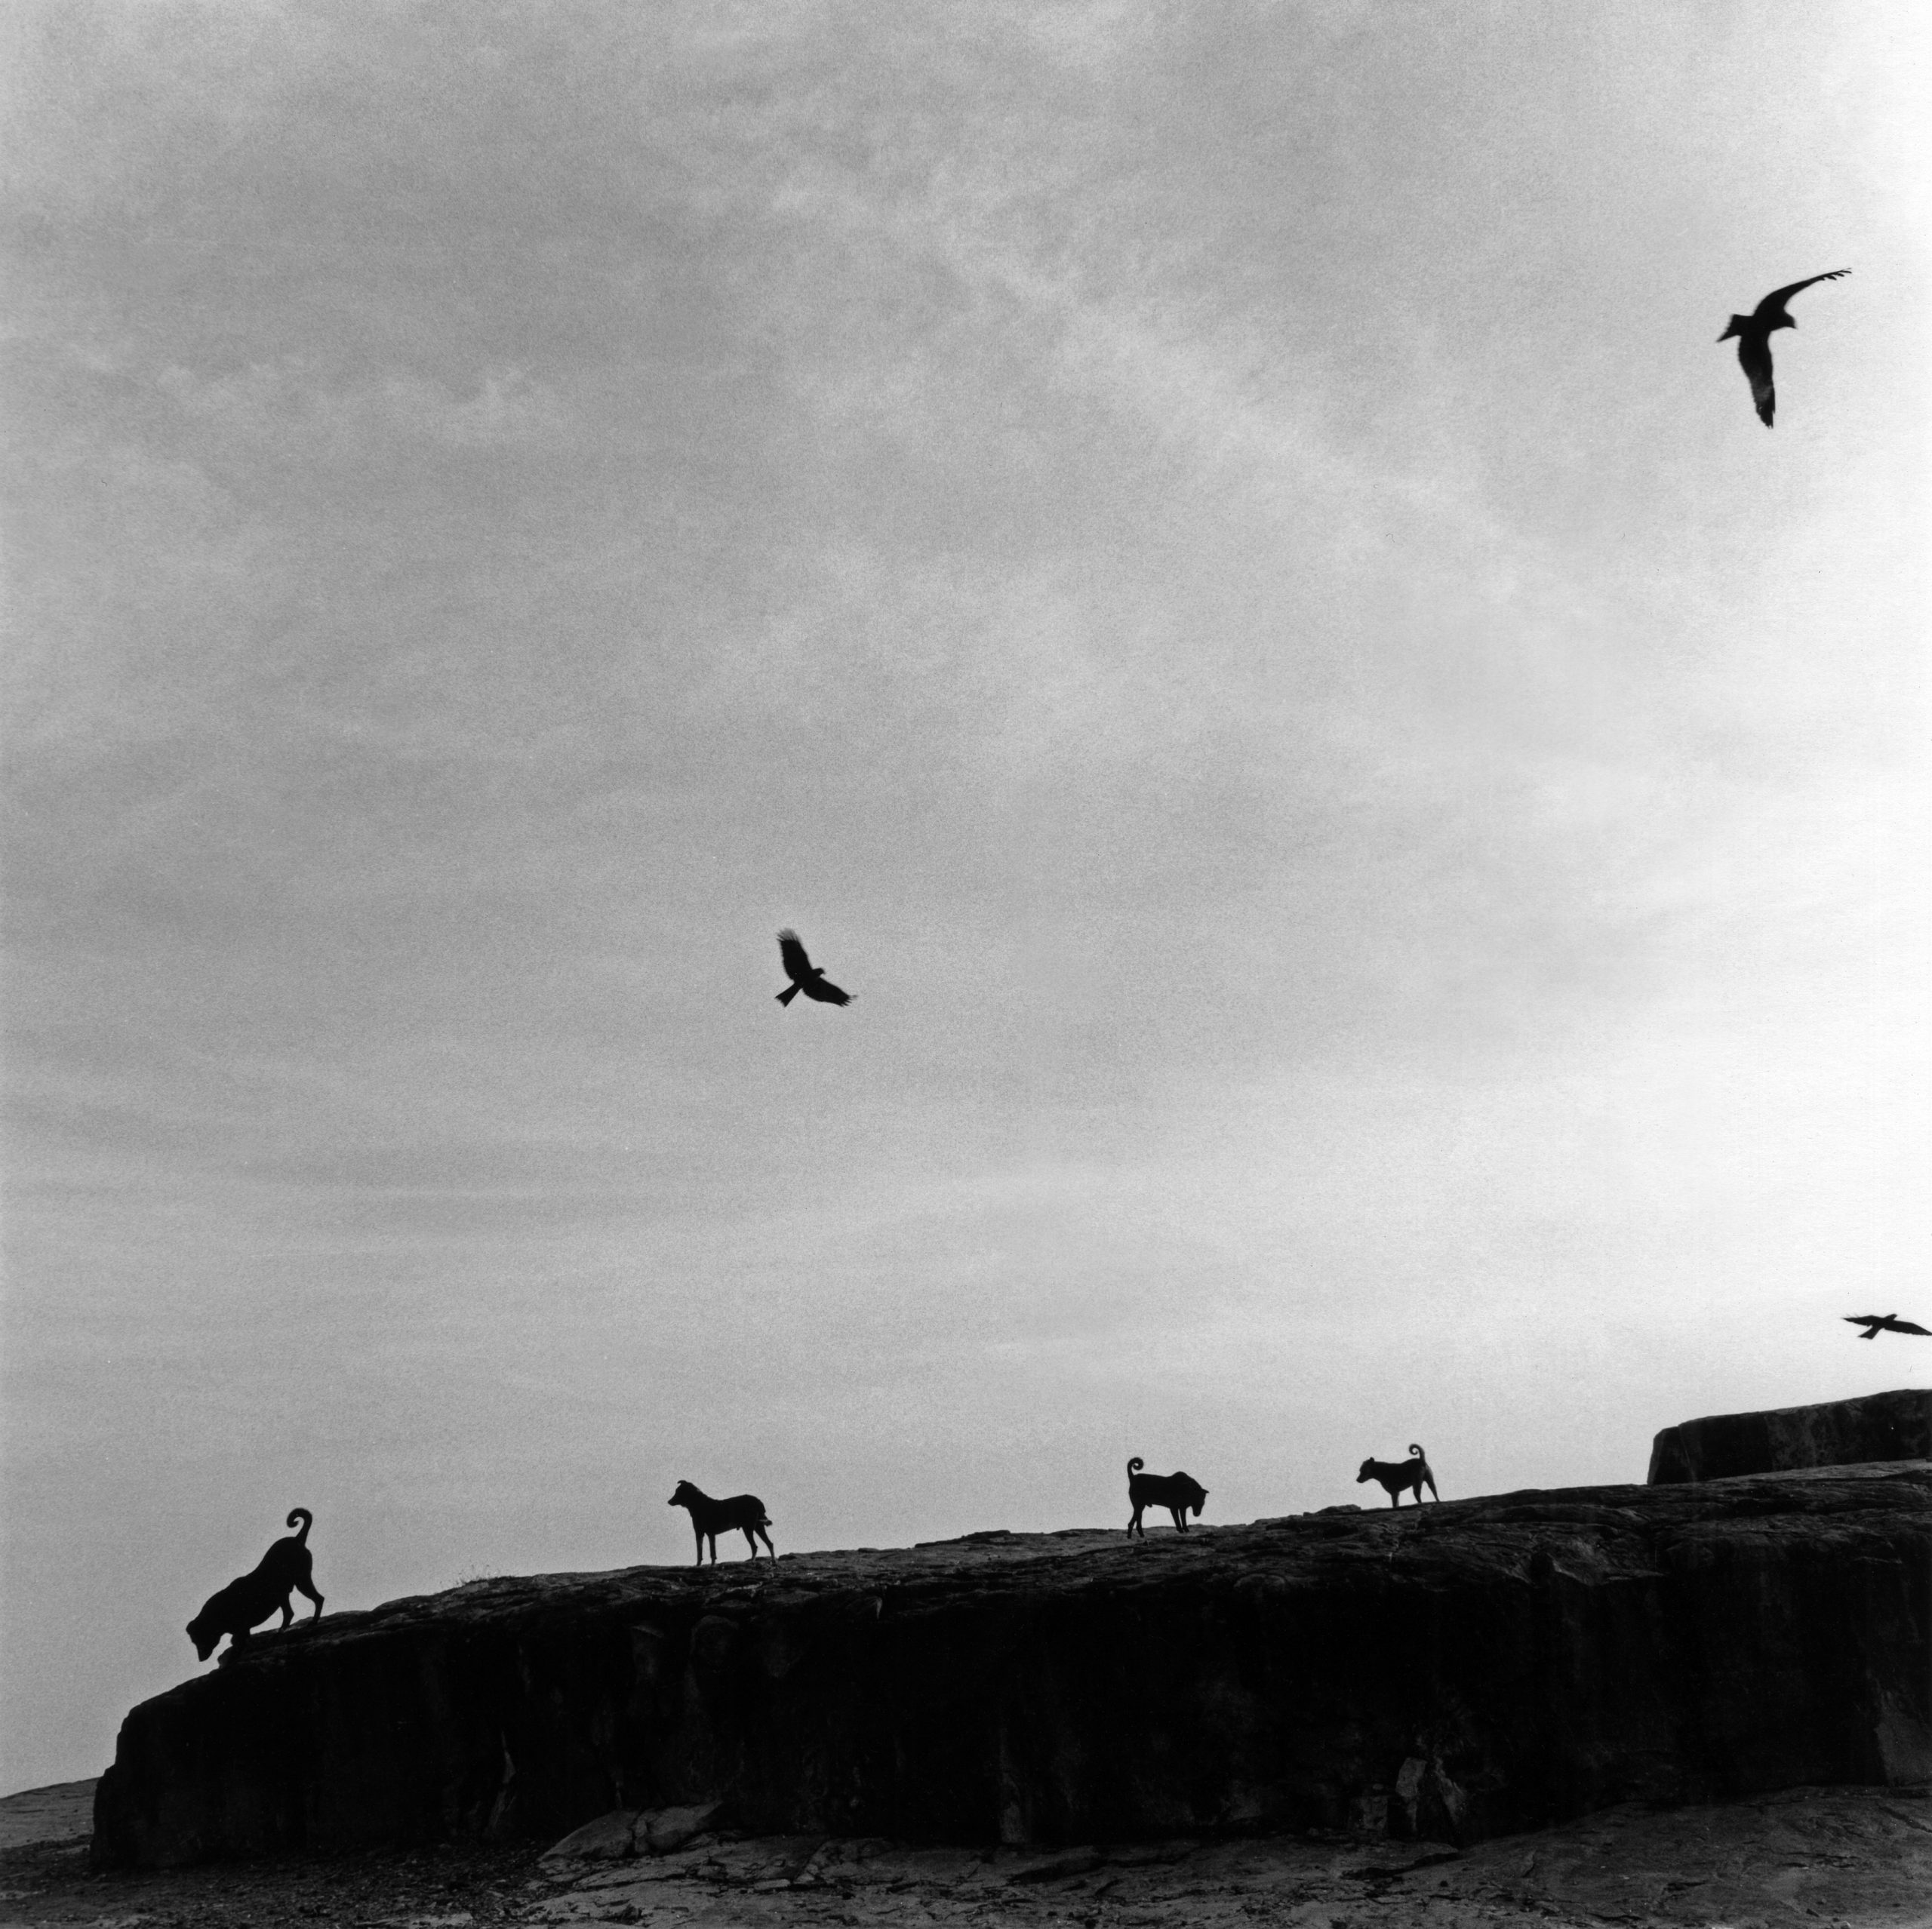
287,1611
308,1587
1180,1519
1134,1525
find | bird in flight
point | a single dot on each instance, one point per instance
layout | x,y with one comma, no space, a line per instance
1875,1323
1754,332
805,975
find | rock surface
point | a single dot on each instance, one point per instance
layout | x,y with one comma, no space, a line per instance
1450,1672
1849,1858
58,1813
1881,1427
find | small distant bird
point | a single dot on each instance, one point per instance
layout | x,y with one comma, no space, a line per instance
1875,1323
805,975
1754,332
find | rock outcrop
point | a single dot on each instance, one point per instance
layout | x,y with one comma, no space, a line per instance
1451,1671
1832,1856
1881,1427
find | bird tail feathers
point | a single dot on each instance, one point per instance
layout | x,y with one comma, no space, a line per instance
787,994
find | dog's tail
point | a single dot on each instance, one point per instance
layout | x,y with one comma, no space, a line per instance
1134,1466
1416,1452
308,1521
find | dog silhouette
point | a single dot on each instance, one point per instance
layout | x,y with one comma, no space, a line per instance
1177,1492
1401,1477
244,1604
710,1518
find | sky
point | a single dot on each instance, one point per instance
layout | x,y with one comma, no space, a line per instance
1210,562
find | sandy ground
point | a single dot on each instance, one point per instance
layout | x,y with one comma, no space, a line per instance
55,1813
1854,1857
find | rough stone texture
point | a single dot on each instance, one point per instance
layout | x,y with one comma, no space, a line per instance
621,1834
1881,1427
1450,1671
1838,1858
59,1812
1853,1859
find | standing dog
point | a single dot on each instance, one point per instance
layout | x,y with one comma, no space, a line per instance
1401,1477
243,1604
710,1518
1177,1492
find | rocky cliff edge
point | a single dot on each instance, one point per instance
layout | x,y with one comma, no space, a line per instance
1879,1426
1451,1671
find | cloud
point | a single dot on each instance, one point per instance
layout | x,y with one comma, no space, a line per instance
282,404
1208,560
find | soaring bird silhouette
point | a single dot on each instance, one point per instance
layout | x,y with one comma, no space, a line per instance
805,975
1754,332
1875,1323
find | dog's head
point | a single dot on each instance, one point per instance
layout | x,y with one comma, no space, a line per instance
1367,1471
1197,1494
205,1635
685,1496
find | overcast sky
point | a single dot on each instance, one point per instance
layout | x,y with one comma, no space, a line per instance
1208,559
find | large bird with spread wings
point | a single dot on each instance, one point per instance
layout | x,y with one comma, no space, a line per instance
1875,1323
1754,332
805,975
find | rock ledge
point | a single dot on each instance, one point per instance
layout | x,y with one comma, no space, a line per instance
1881,1427
1451,1672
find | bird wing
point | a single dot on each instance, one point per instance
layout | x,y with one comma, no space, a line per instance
791,956
825,992
1910,1326
1754,357
1773,302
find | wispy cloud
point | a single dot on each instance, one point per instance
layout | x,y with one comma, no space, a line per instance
282,404
1210,562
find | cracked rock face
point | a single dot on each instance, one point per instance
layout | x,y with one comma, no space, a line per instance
1444,1672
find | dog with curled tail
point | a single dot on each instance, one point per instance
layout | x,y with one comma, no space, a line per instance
1177,1492
1401,1477
244,1604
